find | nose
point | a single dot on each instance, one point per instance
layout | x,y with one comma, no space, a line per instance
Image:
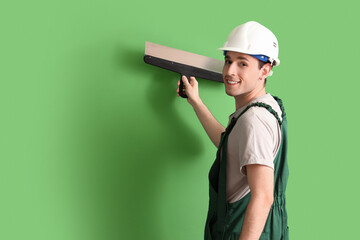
232,70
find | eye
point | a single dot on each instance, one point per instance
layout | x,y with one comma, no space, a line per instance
242,64
228,62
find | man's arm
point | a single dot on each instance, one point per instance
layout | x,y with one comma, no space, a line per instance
212,127
261,183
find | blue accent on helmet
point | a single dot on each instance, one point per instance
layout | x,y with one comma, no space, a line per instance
262,58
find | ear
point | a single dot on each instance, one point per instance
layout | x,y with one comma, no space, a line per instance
265,70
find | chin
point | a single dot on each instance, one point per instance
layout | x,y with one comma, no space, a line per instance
228,93
231,92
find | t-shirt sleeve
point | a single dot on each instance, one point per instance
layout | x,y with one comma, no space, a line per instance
256,138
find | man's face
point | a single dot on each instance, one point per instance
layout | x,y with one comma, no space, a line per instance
241,74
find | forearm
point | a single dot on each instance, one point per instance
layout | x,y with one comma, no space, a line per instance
212,127
255,217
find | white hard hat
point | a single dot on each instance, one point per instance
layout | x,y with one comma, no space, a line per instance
254,39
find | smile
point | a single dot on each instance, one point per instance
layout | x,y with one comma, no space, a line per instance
231,82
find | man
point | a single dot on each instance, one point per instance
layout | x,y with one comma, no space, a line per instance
249,176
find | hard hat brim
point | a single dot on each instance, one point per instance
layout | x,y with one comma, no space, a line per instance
275,61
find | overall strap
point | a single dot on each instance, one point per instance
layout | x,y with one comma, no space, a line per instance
279,101
259,104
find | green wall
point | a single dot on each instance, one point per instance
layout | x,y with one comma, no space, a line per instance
96,145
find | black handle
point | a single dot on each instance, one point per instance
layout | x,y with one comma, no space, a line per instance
181,87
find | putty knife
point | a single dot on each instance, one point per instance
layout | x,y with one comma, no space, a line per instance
185,63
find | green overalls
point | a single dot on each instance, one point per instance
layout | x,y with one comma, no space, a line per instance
225,220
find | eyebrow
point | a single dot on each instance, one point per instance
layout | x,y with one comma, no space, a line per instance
241,58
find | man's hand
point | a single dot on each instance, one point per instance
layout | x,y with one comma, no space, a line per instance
261,183
191,90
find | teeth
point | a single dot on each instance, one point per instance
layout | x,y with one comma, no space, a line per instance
232,82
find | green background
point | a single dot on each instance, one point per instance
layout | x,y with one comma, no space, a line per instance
96,145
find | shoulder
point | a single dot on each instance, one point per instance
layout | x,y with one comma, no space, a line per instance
257,119
256,111
269,105
258,115
260,119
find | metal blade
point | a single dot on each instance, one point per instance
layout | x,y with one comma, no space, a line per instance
182,57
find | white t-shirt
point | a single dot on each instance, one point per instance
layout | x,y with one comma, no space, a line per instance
255,139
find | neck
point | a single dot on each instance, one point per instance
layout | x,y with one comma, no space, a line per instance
245,98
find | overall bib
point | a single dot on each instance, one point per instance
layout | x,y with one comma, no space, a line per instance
225,220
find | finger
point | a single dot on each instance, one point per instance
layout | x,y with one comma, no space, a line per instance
185,80
193,81
178,83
